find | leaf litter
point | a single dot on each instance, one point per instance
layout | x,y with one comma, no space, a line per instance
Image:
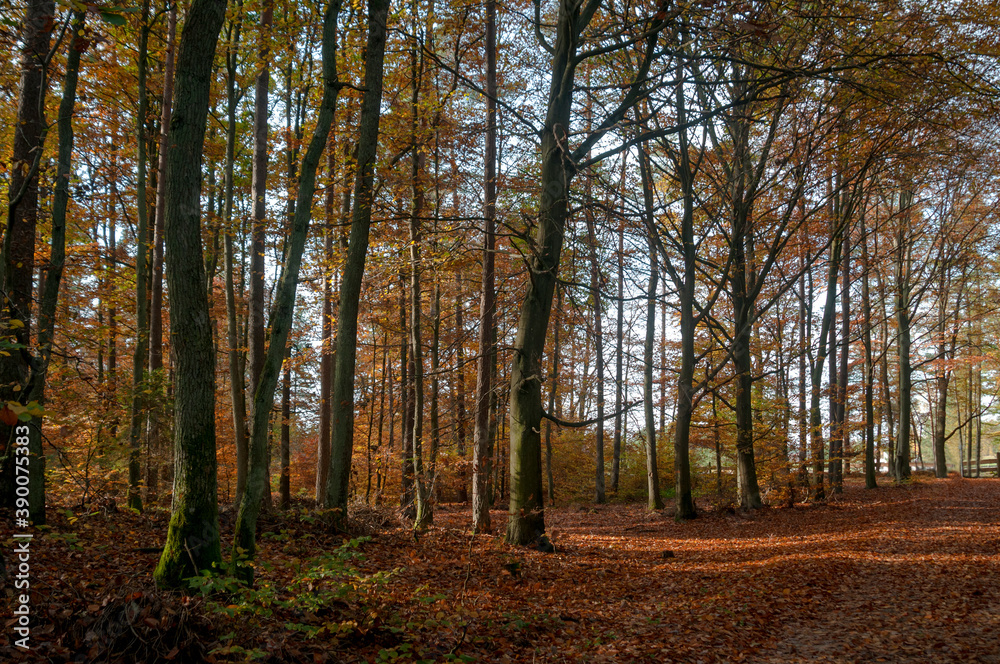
896,574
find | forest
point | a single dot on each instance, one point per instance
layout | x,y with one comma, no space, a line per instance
441,330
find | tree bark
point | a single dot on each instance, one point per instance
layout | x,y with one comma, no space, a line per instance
597,307
284,483
192,542
282,309
49,288
17,260
155,413
619,356
901,462
258,233
139,359
869,382
481,450
342,442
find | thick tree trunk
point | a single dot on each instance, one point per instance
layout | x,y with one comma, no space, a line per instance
192,542
17,261
342,442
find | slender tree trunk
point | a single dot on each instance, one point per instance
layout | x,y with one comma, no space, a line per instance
192,542
258,233
155,414
460,413
342,443
284,483
553,391
685,286
406,500
481,451
815,417
139,402
49,287
869,382
282,309
595,296
655,501
844,466
326,357
943,376
235,355
619,354
903,261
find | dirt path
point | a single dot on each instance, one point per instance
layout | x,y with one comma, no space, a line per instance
893,575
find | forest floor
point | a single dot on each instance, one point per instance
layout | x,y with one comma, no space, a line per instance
897,574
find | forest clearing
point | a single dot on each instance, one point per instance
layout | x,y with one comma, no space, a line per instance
897,574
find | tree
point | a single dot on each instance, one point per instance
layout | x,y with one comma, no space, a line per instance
192,542
17,256
342,445
559,162
283,306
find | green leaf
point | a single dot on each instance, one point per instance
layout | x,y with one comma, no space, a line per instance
113,19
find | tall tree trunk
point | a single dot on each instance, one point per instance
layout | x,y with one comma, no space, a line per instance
49,288
282,309
869,381
845,349
237,372
616,454
258,233
595,296
18,251
284,483
139,359
553,391
192,542
342,441
481,451
805,343
816,375
685,286
326,340
654,500
526,507
943,375
460,413
901,462
155,414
